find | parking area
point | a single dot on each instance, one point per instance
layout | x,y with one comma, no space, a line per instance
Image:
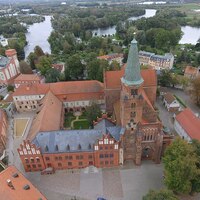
112,184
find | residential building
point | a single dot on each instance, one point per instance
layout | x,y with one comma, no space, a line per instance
170,102
3,132
187,125
134,133
28,79
191,72
14,186
9,67
118,57
59,66
158,62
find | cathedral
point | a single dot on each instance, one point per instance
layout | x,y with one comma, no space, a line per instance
134,133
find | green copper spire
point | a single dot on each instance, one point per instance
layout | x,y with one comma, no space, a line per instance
132,74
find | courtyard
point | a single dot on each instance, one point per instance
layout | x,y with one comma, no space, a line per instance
129,182
20,125
76,120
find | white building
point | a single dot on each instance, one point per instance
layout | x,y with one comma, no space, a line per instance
170,102
9,67
187,125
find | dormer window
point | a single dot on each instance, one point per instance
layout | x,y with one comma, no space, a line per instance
68,147
56,147
79,147
46,148
89,146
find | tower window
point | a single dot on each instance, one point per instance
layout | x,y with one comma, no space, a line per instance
133,105
134,92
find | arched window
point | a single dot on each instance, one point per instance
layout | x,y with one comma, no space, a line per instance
133,105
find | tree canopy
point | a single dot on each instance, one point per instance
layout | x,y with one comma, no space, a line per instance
180,165
159,195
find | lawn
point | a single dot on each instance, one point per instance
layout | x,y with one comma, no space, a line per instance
20,126
81,124
69,117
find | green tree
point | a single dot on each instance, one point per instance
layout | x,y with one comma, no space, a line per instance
52,76
74,67
44,64
196,90
25,68
31,60
159,195
38,51
165,78
196,180
92,112
180,166
114,65
10,88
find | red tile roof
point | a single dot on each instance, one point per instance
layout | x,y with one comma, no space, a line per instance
49,116
18,193
113,78
28,77
189,70
169,97
73,90
190,123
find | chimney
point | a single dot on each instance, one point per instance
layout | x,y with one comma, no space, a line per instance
9,183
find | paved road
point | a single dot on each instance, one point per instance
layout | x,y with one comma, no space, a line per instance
113,184
167,117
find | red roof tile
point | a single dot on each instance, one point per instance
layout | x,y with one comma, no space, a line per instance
113,78
18,193
74,90
28,77
49,116
190,123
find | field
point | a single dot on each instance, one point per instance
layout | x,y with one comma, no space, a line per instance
189,9
20,126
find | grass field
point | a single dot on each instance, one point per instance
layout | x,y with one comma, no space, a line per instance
20,126
189,9
81,124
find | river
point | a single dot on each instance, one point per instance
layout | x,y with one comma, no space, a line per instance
38,34
111,30
190,35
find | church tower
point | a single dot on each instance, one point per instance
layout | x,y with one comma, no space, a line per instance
131,100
